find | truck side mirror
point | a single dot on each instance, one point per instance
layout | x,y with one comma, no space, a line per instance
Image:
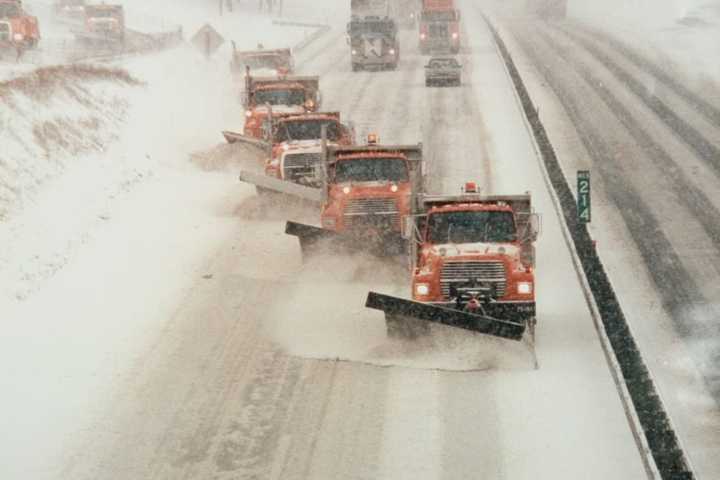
408,227
533,228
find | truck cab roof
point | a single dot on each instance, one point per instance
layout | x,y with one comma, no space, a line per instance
280,85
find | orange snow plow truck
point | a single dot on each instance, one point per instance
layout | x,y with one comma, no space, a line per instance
295,154
18,30
472,266
365,193
104,24
266,98
439,27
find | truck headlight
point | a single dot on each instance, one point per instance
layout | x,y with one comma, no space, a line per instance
455,35
524,288
248,113
422,36
346,190
392,51
354,52
18,37
329,222
422,289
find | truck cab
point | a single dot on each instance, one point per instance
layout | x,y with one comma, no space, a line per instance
475,253
105,23
439,27
368,190
297,145
272,97
365,192
18,29
373,43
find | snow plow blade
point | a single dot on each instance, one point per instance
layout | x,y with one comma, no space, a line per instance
343,242
446,316
309,235
233,137
276,185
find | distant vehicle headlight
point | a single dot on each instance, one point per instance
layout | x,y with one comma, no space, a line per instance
524,288
422,289
18,37
354,52
248,113
455,35
392,51
346,190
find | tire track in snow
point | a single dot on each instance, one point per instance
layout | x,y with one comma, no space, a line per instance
676,285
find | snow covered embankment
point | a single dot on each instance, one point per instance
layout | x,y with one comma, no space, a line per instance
57,124
51,116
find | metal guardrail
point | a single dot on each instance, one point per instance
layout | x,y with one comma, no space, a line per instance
664,455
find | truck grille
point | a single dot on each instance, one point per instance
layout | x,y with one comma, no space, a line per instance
298,166
357,210
5,33
438,30
460,272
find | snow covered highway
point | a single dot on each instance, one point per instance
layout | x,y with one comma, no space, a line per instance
171,329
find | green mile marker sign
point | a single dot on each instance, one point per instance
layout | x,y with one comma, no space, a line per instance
583,196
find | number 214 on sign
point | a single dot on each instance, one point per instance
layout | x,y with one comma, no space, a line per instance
583,196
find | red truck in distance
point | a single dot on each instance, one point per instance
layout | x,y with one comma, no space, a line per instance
18,30
439,27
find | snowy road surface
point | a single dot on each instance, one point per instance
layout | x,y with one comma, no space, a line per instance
653,151
269,368
197,344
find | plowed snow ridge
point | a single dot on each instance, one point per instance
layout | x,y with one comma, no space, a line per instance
51,116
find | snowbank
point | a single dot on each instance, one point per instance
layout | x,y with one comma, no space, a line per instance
51,116
105,223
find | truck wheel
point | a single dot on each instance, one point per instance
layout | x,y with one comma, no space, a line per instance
355,67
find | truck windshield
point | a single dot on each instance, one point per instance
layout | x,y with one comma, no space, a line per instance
9,10
439,15
380,27
371,170
101,13
307,130
280,97
471,227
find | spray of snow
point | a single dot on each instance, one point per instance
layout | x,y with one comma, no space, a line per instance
335,324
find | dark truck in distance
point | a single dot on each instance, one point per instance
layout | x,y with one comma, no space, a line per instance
443,71
373,43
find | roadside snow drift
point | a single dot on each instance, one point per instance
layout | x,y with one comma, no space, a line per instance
51,116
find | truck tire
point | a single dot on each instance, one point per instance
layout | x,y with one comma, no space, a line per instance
356,67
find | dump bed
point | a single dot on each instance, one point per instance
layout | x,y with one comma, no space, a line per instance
521,205
279,59
311,83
